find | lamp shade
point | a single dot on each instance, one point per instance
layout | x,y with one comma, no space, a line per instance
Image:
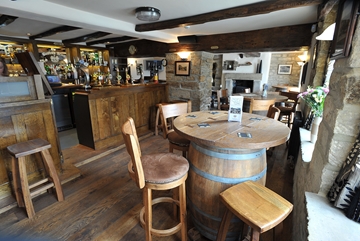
328,33
147,14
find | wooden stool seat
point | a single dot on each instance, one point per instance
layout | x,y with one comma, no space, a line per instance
256,205
23,191
159,171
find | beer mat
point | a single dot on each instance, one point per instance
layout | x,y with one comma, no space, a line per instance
214,112
191,116
202,125
244,135
255,119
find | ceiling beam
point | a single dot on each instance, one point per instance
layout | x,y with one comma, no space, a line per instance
236,12
110,40
53,31
85,37
289,38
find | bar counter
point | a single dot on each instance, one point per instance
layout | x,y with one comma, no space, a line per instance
101,111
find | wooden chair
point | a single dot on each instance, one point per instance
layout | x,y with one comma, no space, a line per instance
289,107
170,111
23,191
158,125
257,206
273,112
222,99
260,105
160,171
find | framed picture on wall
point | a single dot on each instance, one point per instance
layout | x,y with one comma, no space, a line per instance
284,69
345,27
182,68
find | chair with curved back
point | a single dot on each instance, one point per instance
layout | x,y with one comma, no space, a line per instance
260,105
273,112
289,108
160,171
170,111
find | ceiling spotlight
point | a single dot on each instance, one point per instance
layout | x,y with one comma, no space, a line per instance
147,14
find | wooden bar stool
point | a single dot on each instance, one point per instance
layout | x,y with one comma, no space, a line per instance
158,124
256,205
159,171
23,191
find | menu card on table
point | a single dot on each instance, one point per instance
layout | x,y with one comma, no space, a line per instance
235,108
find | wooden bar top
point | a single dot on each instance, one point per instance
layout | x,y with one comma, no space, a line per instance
265,132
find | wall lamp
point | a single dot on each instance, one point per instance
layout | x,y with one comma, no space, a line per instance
303,58
184,55
328,33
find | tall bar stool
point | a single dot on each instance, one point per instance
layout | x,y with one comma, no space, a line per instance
23,191
256,205
160,171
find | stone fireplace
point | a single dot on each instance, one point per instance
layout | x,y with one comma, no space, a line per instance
240,85
242,79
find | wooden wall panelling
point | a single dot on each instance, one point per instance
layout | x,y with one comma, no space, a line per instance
22,121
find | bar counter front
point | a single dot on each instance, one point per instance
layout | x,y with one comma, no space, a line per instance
100,112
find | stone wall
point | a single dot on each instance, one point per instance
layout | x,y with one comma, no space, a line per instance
284,79
337,133
197,86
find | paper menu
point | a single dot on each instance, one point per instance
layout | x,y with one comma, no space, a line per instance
235,108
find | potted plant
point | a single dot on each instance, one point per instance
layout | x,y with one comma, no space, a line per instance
315,98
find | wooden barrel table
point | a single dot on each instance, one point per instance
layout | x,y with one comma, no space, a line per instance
219,158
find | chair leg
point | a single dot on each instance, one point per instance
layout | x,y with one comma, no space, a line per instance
224,225
175,196
16,184
25,188
255,235
157,121
147,200
53,174
183,215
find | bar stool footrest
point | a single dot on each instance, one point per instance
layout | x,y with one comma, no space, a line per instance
161,232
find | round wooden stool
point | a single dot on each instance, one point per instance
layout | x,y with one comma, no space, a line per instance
256,205
23,191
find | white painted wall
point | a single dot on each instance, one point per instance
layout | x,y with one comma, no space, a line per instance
132,61
265,57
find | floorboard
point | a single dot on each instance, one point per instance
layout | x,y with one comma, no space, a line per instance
104,203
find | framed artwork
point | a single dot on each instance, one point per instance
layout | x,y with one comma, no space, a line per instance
345,27
284,69
182,68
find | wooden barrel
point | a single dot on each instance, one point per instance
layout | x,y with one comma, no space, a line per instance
213,170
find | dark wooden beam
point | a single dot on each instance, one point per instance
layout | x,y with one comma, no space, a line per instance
110,40
53,31
236,12
289,38
85,37
144,48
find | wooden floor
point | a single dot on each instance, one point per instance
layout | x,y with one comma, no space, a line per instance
104,203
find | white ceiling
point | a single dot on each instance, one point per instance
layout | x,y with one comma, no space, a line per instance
118,17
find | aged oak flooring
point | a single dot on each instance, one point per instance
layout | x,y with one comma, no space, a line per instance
104,203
